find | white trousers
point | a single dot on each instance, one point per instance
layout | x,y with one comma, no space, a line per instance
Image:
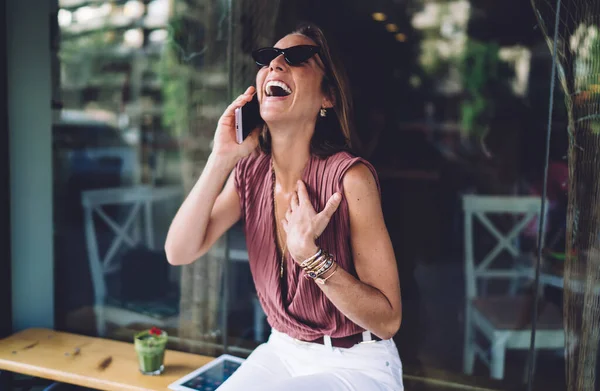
283,363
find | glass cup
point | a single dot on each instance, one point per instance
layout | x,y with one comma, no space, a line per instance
150,347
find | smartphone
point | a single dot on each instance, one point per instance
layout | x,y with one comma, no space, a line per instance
247,118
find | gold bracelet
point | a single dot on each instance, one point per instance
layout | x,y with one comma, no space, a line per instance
307,261
320,269
314,274
327,265
315,264
322,281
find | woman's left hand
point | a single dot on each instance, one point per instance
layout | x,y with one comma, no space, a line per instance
303,225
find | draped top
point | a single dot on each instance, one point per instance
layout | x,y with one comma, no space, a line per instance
296,305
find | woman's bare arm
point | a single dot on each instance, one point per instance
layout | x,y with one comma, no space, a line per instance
205,215
210,210
372,300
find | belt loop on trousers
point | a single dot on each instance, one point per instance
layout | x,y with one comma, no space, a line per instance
327,341
367,337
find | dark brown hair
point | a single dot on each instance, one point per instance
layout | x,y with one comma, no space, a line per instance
333,133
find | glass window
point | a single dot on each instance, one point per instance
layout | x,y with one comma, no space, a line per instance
142,87
450,99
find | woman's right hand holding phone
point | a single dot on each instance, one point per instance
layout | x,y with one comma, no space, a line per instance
225,144
212,206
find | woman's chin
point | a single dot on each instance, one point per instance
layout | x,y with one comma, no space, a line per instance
273,116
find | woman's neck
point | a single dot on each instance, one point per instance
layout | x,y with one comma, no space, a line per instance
290,151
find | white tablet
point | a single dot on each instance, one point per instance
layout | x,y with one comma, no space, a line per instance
210,376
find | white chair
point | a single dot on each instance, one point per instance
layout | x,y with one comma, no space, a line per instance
504,320
141,200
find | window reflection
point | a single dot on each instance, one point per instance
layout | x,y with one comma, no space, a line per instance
141,93
449,113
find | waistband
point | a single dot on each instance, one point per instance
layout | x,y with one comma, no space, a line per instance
347,342
343,342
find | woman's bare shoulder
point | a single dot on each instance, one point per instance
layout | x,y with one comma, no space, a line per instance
360,179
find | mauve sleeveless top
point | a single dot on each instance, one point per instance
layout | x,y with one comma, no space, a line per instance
296,306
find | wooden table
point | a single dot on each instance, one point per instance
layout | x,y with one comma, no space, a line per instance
52,355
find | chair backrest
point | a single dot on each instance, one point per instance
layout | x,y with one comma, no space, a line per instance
478,207
140,199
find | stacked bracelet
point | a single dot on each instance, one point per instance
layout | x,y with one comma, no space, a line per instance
310,260
317,265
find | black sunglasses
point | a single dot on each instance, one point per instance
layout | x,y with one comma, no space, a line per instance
294,55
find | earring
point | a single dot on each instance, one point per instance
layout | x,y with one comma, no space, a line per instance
323,112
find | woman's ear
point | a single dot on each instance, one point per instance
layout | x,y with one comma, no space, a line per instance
328,100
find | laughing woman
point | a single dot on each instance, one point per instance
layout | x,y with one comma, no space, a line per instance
319,251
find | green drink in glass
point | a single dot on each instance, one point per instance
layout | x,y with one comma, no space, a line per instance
150,347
